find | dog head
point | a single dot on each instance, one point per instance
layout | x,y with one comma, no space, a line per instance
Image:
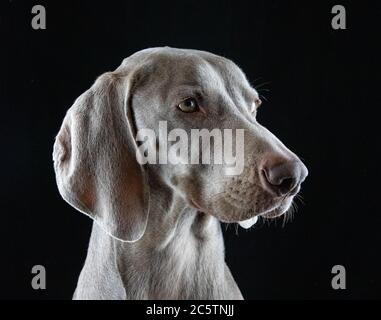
189,118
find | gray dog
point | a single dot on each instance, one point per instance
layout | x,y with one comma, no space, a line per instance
157,233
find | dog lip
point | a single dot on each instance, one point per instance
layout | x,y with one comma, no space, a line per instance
278,211
248,223
272,214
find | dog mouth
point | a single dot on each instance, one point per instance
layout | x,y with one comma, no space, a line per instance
279,210
272,212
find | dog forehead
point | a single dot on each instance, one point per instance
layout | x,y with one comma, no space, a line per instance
187,65
204,64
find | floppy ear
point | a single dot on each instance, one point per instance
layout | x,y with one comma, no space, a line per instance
95,163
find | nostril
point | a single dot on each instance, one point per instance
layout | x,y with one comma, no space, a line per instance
286,185
282,178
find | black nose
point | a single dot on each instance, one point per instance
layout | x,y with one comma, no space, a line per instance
284,177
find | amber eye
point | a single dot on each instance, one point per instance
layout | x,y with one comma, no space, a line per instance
258,102
188,105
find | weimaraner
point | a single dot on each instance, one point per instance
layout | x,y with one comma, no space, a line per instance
157,233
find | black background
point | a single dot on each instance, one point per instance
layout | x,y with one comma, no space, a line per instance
323,101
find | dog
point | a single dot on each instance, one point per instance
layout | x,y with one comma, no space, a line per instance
157,231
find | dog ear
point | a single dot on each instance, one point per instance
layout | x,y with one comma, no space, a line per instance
95,163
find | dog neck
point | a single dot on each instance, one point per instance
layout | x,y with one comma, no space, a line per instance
180,256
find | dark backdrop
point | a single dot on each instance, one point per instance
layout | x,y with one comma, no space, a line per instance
323,101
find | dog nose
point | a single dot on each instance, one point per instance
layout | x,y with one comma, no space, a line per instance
284,177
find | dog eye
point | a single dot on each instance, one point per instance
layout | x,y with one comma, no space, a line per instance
258,102
188,105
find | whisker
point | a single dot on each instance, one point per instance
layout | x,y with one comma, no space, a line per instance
300,198
262,84
236,229
263,97
259,78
